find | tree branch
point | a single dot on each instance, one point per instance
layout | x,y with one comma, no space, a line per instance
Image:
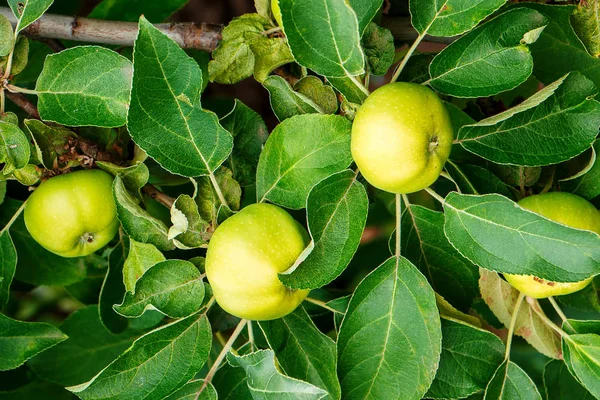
23,103
188,35
159,196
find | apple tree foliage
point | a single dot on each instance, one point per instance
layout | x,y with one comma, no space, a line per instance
427,316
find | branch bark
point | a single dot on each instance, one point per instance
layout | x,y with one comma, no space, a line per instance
188,35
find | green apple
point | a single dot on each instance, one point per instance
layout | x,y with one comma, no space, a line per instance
276,11
245,254
567,209
401,137
73,215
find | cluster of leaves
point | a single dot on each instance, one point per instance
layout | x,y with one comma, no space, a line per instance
421,324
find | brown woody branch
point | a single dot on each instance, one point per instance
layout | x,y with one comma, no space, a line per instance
188,35
23,103
159,196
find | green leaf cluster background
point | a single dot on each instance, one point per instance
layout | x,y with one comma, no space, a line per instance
137,320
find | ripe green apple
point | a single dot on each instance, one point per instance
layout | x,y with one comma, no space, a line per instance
73,215
401,137
276,11
245,254
567,209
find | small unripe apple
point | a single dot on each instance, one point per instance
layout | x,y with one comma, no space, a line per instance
401,137
276,11
567,209
73,215
245,255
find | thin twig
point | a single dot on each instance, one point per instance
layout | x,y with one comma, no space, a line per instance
411,50
213,370
513,322
436,196
560,313
398,223
322,304
535,306
188,35
159,196
14,218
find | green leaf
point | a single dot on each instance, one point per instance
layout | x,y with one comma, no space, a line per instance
266,382
558,50
331,47
89,349
470,356
20,56
473,179
554,125
365,11
245,49
14,146
249,135
490,59
189,230
208,202
28,11
560,384
2,191
424,244
300,152
337,209
8,265
140,258
286,102
450,17
587,185
448,311
495,233
501,298
303,351
130,10
416,70
83,86
511,382
113,290
137,222
156,365
389,343
348,88
378,44
231,382
165,108
190,392
36,265
50,140
263,8
321,94
586,23
6,36
172,287
35,390
582,357
19,341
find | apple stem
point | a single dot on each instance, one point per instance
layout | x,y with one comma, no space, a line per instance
213,370
560,313
535,306
14,218
513,322
323,305
433,194
410,52
398,223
